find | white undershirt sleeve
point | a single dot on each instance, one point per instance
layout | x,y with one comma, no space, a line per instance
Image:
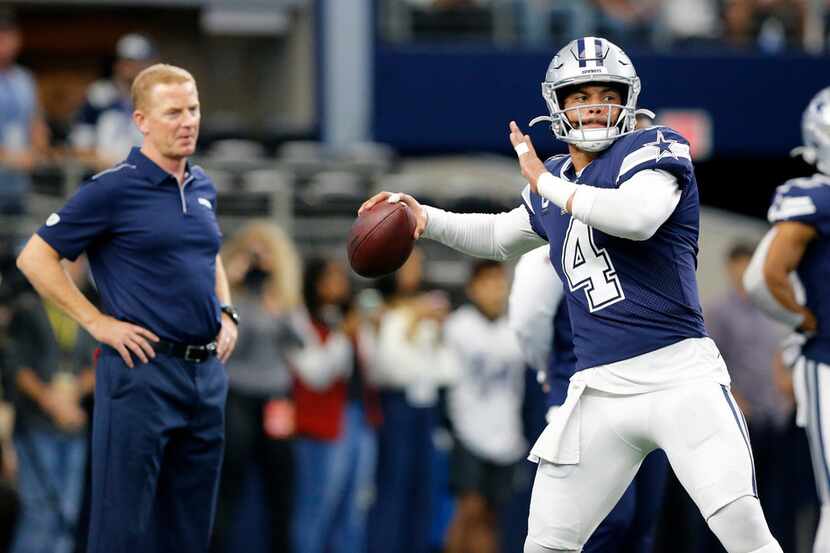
534,297
634,211
757,290
494,236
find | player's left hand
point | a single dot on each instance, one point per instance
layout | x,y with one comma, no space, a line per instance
529,162
226,341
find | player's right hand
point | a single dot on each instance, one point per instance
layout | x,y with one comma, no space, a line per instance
532,167
394,197
124,338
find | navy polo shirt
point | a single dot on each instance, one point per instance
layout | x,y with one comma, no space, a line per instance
151,246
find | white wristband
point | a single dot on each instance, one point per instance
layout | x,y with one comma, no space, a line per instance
555,189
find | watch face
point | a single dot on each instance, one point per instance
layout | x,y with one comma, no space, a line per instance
231,312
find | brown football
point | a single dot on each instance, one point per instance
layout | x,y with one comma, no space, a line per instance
381,239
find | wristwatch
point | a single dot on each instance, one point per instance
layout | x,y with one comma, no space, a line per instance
231,312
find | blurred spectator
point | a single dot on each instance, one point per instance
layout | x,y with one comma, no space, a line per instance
52,374
9,497
739,23
485,409
412,363
544,22
770,26
23,132
690,23
626,21
749,343
263,271
337,412
780,23
103,132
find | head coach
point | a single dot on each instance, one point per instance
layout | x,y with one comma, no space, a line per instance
148,226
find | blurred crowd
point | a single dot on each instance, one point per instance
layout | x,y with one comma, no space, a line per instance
100,134
768,26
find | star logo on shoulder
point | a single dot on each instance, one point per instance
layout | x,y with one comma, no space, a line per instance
664,147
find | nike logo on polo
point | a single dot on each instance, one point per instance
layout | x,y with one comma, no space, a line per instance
53,220
205,202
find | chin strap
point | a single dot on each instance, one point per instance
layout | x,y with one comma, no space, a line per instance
539,119
810,155
806,152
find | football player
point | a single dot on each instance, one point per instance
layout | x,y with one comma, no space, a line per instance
787,278
621,215
539,318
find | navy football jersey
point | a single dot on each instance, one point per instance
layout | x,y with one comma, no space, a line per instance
626,297
807,200
562,359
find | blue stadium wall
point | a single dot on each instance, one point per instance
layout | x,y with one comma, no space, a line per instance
437,99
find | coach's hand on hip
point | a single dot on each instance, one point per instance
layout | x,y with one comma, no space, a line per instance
226,340
124,338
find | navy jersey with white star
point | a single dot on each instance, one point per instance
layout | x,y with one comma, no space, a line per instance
626,297
807,200
561,360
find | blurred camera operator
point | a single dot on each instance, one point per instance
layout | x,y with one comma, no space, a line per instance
264,274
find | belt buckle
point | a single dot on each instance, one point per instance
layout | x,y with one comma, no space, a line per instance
195,354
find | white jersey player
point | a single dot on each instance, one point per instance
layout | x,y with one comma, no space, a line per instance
485,409
620,213
485,401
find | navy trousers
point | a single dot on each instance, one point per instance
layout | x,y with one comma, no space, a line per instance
631,524
157,444
401,518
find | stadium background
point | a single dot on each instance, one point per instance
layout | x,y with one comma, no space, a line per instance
308,106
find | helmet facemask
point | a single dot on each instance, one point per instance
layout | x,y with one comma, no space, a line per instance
572,130
591,61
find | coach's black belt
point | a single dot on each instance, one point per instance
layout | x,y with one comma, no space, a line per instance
195,354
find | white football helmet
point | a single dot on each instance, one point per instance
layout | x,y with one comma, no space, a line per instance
588,60
815,132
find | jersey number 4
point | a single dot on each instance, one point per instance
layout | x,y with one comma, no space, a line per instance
590,268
